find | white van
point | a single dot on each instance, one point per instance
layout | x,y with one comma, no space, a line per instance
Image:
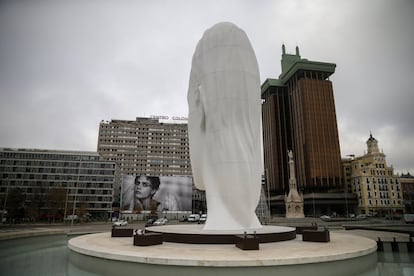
193,218
409,218
203,219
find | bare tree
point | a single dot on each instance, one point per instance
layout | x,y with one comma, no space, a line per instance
56,202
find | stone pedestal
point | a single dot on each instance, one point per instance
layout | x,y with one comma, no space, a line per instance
316,236
148,239
247,242
122,232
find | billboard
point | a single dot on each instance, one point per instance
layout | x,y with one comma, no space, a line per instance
156,193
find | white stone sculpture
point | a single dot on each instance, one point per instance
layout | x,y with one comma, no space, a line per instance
224,127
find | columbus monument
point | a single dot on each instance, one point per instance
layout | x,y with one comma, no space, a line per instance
294,200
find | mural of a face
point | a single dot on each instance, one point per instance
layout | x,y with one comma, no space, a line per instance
143,187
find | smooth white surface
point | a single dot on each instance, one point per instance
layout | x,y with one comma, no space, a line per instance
224,127
341,247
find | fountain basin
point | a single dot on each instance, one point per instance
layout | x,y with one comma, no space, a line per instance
345,254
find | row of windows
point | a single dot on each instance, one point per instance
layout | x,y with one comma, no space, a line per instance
129,134
63,164
144,134
154,159
142,140
148,150
156,171
385,202
383,186
384,194
43,156
52,170
141,124
51,184
31,176
156,165
44,187
376,181
78,195
144,127
380,172
90,195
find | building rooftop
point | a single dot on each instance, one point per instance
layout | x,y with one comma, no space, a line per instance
293,64
408,175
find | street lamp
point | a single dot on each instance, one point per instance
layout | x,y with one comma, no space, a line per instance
76,192
313,202
268,192
5,202
346,203
66,203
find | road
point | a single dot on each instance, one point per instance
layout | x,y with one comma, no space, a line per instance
97,227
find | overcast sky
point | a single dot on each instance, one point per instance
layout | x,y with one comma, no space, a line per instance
67,65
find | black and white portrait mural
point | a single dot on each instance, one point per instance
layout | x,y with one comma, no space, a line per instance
156,193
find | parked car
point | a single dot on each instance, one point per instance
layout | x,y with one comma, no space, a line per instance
193,218
120,223
361,216
183,219
323,217
202,219
160,221
72,217
150,222
408,218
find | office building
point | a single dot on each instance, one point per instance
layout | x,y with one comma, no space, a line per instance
57,183
299,115
377,188
407,189
145,146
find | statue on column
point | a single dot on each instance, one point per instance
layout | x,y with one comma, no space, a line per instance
294,200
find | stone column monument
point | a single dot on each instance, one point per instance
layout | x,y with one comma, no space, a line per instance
224,127
294,200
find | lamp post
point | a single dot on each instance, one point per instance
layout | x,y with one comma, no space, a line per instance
5,202
76,192
346,203
66,204
268,194
313,202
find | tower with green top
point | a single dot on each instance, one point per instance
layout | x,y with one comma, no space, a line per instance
299,114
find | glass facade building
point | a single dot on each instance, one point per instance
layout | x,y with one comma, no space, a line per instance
299,114
57,183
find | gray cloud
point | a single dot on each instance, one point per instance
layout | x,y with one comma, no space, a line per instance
67,65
